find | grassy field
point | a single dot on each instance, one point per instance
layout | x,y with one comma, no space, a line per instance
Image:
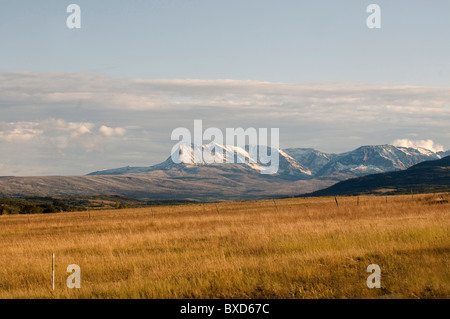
302,248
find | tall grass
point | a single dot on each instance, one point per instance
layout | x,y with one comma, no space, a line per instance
304,248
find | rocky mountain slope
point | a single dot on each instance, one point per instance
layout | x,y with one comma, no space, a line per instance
425,177
299,163
299,171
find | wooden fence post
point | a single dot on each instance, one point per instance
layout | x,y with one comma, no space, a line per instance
53,271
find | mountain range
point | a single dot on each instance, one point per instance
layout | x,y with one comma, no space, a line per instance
301,170
302,163
425,177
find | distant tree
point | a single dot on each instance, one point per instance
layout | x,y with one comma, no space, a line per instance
119,205
4,210
49,208
30,209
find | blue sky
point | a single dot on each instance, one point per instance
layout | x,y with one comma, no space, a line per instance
109,94
282,41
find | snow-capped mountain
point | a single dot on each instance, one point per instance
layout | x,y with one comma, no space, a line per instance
249,156
294,163
300,171
376,159
425,177
312,159
190,156
443,154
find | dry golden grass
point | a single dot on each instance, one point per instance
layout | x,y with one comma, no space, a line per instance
307,248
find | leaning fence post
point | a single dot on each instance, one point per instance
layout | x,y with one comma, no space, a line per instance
335,199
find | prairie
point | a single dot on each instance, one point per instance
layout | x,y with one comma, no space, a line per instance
291,248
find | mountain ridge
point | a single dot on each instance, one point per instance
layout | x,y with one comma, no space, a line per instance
216,182
306,163
429,176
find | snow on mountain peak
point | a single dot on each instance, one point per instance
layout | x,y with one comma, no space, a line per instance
292,163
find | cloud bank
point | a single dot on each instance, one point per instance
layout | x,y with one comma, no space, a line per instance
427,144
64,122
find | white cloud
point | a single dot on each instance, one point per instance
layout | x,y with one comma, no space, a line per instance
18,132
427,144
88,92
109,131
80,130
58,133
79,113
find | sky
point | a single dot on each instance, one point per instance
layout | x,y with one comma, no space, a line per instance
109,94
